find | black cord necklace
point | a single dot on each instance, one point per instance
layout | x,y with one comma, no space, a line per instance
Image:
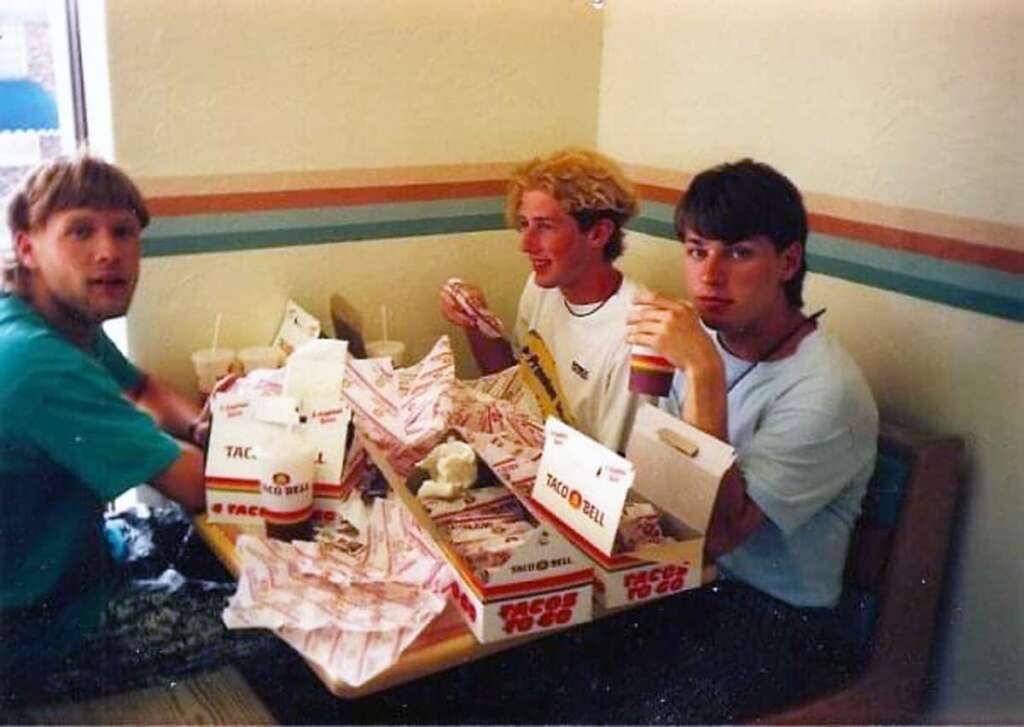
593,310
771,351
590,312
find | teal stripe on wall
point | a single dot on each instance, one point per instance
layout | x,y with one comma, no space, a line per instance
320,217
915,265
291,237
936,290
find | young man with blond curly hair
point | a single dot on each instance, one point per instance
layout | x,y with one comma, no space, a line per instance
569,209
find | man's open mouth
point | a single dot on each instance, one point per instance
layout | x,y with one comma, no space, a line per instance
110,282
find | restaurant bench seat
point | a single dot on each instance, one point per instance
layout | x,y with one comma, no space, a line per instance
894,581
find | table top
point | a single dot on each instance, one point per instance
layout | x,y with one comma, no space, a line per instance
447,642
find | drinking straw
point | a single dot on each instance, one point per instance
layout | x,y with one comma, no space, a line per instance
384,321
216,332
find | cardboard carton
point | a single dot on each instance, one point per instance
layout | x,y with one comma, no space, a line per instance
232,476
581,487
545,585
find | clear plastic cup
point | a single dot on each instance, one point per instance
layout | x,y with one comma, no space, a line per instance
260,357
394,350
211,364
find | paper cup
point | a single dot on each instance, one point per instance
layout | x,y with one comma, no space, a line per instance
394,350
259,357
649,372
286,488
211,364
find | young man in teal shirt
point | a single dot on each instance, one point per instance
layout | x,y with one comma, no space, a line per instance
81,424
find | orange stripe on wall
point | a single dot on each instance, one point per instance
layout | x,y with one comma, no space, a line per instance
334,197
654,193
944,248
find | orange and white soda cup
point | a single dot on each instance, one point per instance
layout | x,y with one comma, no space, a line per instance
286,469
649,372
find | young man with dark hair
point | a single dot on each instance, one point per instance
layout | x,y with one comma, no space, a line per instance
569,209
81,424
755,371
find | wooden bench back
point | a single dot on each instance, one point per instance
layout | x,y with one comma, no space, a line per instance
894,581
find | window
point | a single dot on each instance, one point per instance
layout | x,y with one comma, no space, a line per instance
41,107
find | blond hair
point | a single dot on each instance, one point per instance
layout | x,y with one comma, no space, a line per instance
587,185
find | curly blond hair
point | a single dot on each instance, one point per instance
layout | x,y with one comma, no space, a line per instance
587,185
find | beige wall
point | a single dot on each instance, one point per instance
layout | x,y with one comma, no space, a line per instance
914,103
245,86
200,87
911,104
179,297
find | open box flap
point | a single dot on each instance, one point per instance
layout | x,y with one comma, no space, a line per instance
583,483
678,467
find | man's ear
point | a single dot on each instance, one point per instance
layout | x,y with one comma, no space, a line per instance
600,233
791,255
24,250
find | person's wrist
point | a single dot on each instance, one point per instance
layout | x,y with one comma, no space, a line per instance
708,370
192,430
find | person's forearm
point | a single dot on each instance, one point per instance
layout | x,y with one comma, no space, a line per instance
172,412
491,354
183,481
706,405
735,516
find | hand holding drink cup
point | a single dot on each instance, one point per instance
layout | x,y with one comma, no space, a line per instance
665,335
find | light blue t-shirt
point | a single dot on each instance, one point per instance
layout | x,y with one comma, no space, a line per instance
70,441
805,430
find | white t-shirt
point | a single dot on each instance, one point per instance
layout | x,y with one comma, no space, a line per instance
805,429
590,355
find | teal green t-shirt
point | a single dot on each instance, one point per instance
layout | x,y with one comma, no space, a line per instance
70,441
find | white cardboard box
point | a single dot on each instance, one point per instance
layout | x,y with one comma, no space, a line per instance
581,487
232,476
545,585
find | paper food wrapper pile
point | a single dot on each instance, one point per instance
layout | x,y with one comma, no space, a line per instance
350,614
406,413
339,606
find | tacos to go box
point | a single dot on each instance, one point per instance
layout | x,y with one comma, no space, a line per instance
232,472
581,487
540,584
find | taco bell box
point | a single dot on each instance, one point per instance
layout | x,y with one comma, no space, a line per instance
640,519
513,575
241,427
